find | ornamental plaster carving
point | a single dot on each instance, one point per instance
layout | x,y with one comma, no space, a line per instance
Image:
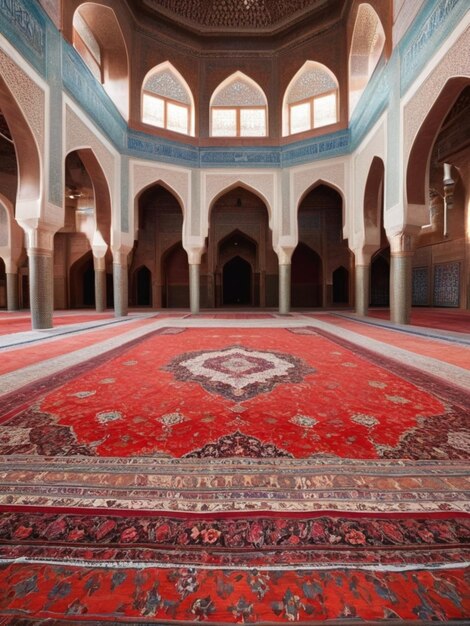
144,175
454,64
29,96
78,135
305,178
261,183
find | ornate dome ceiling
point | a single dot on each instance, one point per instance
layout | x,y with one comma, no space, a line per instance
247,16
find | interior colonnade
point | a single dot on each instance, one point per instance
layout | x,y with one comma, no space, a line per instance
369,207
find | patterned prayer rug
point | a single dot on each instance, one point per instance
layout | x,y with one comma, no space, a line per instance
254,393
235,476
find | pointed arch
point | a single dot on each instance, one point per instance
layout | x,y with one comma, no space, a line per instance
103,50
367,45
373,201
26,148
101,190
238,108
325,183
311,99
154,184
240,182
418,165
167,101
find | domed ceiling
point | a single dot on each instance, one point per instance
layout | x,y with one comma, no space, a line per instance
242,16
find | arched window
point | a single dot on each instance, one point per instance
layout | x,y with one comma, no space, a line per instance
366,48
311,99
238,108
104,50
87,45
167,101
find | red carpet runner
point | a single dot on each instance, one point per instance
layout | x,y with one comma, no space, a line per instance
215,475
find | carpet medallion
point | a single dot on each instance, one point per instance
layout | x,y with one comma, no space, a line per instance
235,475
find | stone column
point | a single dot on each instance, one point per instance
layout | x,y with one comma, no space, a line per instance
100,284
12,292
40,251
284,288
120,284
362,282
401,257
11,272
41,287
194,293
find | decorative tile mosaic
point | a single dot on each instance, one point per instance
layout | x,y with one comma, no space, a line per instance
420,293
446,290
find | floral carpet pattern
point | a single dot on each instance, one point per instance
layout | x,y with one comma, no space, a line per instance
235,476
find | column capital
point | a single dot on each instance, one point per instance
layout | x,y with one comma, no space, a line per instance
403,243
284,254
194,254
363,255
99,263
39,236
120,254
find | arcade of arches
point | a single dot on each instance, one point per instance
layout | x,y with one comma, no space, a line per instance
384,224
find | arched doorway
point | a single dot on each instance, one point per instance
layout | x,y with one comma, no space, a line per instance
237,282
86,236
306,278
159,271
82,283
380,279
175,272
143,286
239,240
341,286
321,247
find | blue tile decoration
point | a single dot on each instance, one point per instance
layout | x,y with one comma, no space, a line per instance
420,291
241,157
149,146
371,105
24,24
446,284
324,147
434,23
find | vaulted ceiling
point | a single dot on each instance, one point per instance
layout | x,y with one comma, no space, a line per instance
241,17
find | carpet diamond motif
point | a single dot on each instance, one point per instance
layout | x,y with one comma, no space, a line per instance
238,373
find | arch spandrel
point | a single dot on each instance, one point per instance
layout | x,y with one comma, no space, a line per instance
262,185
306,179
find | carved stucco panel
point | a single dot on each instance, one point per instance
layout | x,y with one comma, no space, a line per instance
78,135
144,175
455,63
263,183
305,178
29,96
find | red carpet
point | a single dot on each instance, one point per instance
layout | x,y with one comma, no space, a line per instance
171,396
13,323
446,351
456,320
17,358
214,475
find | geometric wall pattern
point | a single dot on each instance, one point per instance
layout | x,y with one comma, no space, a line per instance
420,293
446,284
